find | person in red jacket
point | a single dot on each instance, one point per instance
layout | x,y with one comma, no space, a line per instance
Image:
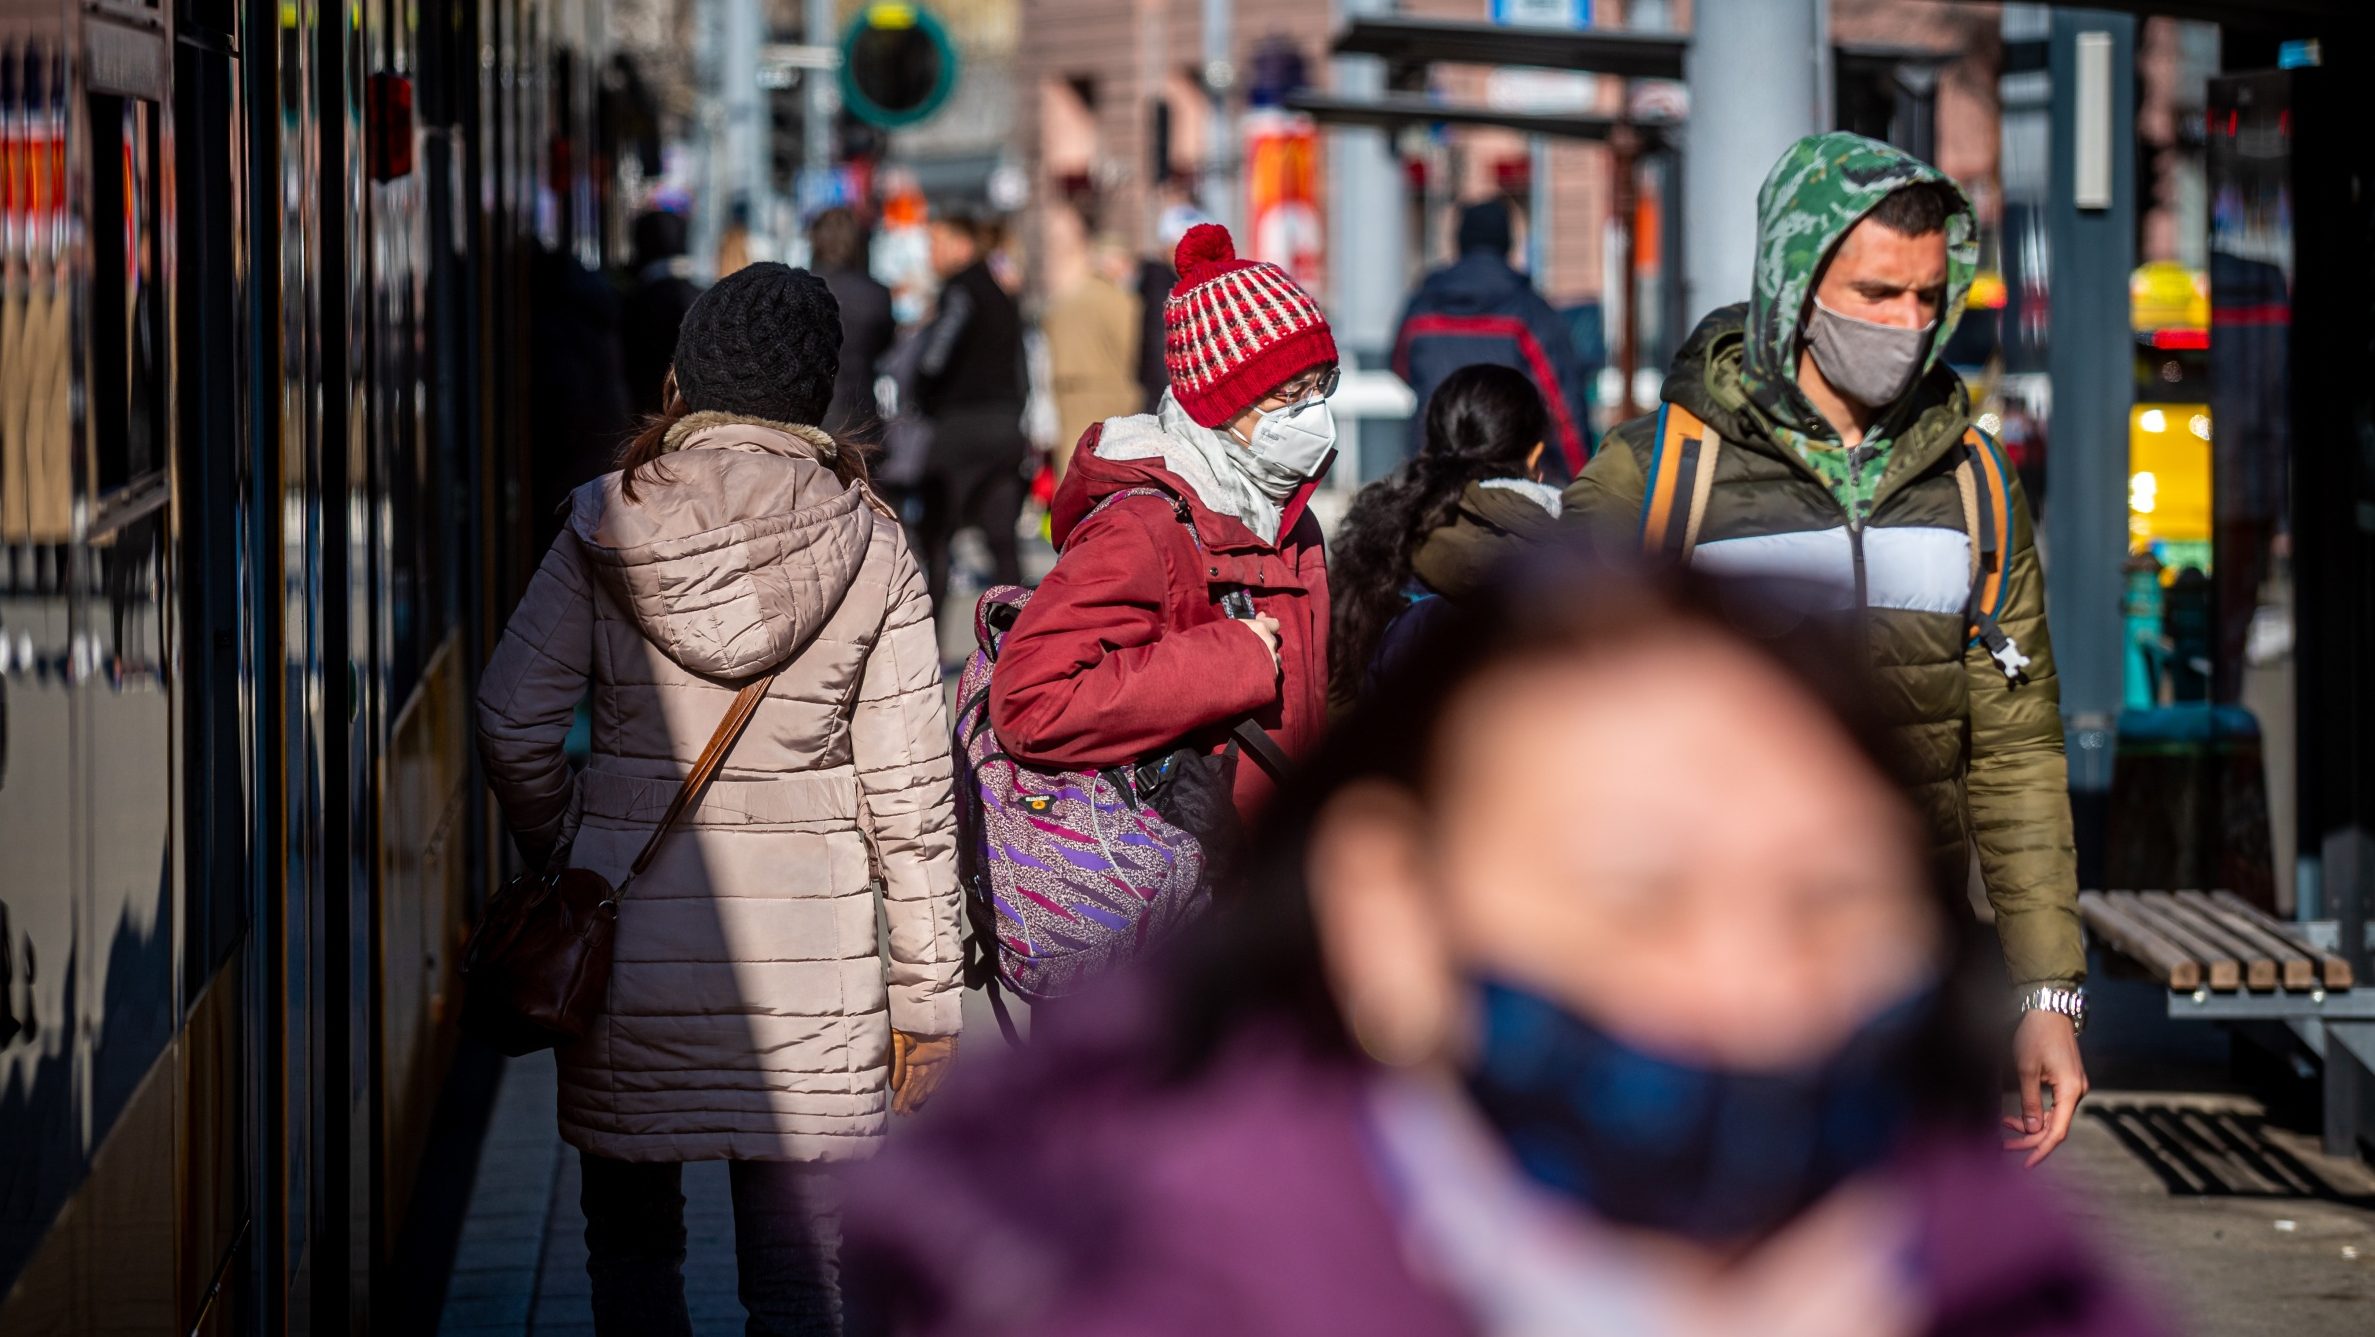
1137,642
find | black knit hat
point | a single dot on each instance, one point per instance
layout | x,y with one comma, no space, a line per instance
1484,226
763,342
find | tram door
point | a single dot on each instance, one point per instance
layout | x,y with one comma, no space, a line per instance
122,1192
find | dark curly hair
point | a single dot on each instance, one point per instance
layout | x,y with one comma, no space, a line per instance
1481,422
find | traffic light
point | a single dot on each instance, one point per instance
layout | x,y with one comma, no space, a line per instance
787,122
897,66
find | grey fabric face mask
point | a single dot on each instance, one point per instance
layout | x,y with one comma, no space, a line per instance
1870,364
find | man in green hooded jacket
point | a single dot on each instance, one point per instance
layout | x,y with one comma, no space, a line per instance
1840,435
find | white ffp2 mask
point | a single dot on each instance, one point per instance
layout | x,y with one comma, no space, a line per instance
1296,438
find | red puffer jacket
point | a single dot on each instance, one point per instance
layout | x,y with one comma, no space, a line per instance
1124,651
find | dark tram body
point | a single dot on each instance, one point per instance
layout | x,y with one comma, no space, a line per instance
264,274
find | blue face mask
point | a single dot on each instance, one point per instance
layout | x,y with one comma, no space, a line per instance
1708,1154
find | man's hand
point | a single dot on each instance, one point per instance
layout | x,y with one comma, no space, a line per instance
2045,1050
918,1063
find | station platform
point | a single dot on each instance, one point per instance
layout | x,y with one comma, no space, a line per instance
2231,1221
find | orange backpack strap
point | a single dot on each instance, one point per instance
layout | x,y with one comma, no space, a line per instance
1674,496
1987,490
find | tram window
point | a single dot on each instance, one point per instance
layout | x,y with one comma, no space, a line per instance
218,16
126,369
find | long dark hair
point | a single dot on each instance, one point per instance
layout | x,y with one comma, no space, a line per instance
642,458
1258,964
1481,422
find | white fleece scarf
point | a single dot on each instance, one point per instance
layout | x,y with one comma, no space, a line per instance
1226,476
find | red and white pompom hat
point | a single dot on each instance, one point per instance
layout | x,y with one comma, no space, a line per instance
1234,330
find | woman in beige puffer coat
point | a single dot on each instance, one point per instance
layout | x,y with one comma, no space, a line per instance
752,1016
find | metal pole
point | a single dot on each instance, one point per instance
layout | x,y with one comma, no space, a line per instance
1151,15
1368,248
819,99
1220,143
1756,82
745,162
2090,227
1537,208
1624,160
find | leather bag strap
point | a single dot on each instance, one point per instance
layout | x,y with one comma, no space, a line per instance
746,704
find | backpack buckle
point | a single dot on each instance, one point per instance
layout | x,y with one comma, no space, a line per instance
2005,651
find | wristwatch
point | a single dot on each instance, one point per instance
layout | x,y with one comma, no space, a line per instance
2067,999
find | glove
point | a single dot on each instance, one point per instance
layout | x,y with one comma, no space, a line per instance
918,1063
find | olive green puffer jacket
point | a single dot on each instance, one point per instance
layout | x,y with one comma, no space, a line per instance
1987,751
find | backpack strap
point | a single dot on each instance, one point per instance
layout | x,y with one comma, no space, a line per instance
1985,482
1179,507
1682,461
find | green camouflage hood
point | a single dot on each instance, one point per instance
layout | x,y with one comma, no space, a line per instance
1823,185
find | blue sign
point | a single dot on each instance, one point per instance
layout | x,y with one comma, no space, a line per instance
1543,13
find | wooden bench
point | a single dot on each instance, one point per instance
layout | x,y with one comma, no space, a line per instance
2193,939
2224,959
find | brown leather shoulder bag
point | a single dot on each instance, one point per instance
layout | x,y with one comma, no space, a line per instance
538,968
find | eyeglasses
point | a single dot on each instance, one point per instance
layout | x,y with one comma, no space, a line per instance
1318,383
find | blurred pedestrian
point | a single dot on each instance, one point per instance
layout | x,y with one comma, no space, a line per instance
1480,308
663,291
1435,530
751,1017
837,248
970,384
577,383
1709,1060
2186,623
733,241
1152,282
1092,347
1814,432
1126,650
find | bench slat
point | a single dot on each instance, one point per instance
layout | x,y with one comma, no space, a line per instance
2300,973
2259,969
2131,935
2224,972
2336,971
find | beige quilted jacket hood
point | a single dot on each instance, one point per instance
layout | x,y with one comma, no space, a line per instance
750,1005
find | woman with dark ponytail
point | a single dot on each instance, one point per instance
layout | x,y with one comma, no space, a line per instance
1434,528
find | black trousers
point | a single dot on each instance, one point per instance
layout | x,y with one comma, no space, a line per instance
787,1245
974,480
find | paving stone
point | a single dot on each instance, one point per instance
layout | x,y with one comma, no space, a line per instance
488,1310
475,1282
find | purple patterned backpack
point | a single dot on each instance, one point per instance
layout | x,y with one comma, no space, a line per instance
1073,872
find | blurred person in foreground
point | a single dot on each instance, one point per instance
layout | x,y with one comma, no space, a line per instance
1092,334
837,253
662,293
1190,590
1481,308
1708,1059
970,385
1841,435
1436,530
579,407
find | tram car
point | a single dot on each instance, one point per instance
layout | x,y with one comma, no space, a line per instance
265,290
